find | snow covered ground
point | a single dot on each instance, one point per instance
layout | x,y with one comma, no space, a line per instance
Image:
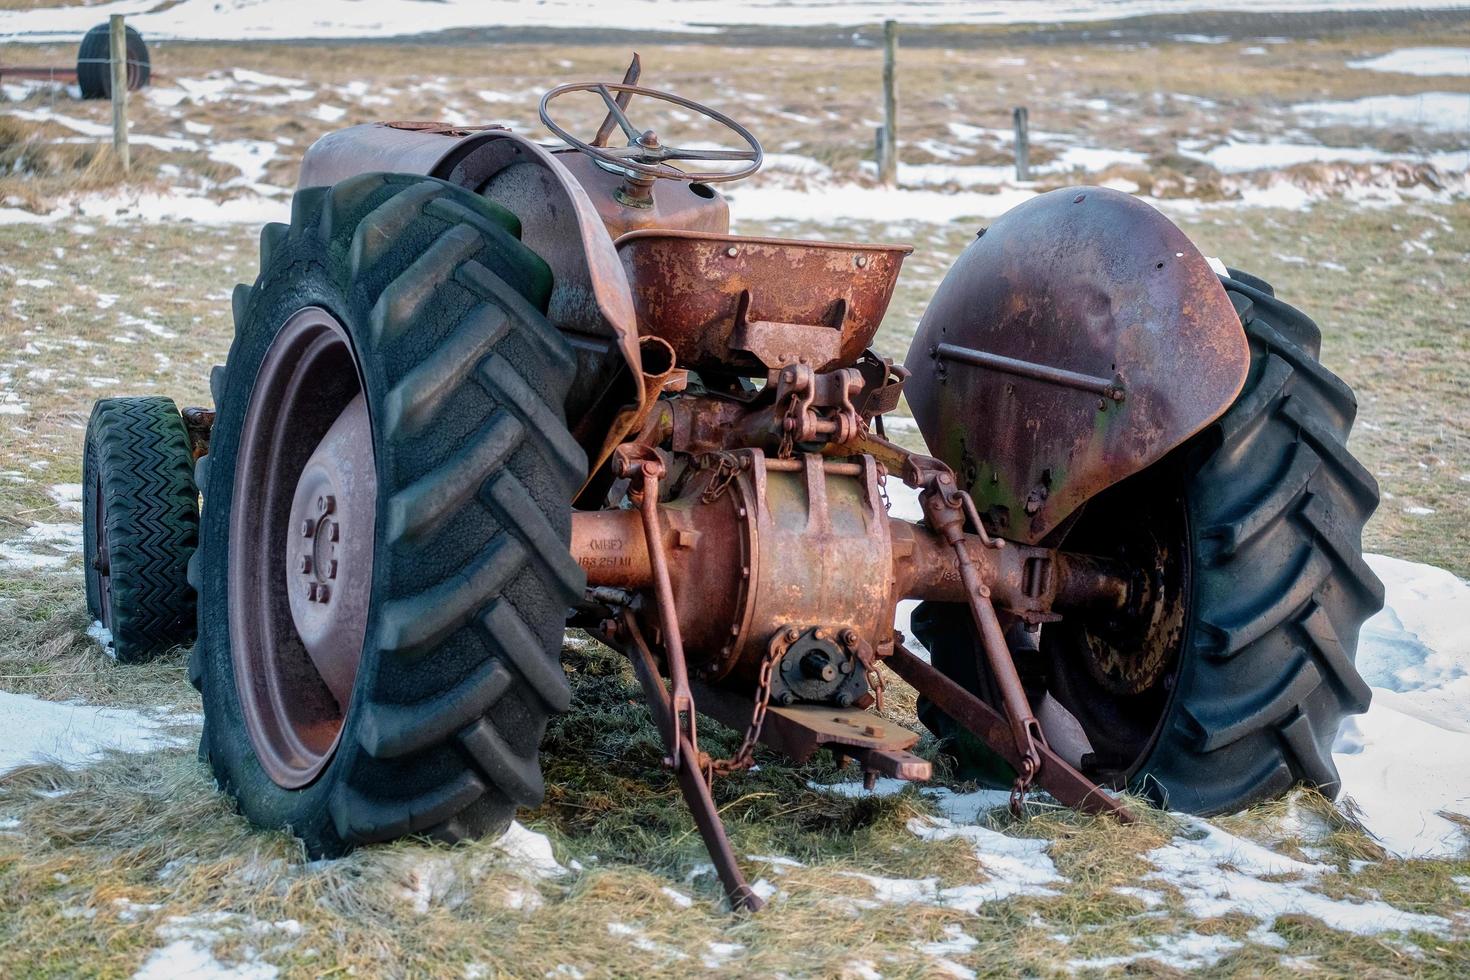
280,19
72,735
1419,61
1408,758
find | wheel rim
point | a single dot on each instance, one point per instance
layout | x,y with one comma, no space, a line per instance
101,566
301,547
1118,677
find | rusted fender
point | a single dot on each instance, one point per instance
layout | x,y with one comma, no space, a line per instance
1077,341
590,292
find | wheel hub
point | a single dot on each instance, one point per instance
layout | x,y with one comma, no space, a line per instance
329,549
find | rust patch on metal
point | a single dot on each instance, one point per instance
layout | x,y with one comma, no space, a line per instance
1101,339
730,303
437,128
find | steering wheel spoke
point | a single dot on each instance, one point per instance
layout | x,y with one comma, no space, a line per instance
626,124
685,153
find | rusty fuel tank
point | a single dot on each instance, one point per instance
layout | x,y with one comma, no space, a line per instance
1075,342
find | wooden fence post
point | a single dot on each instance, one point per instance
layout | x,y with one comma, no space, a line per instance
119,56
888,159
1023,144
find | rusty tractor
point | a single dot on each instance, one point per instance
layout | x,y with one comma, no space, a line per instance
483,389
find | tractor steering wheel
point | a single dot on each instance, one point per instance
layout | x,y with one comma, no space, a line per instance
645,156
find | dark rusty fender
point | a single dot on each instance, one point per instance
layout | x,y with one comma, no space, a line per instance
1077,341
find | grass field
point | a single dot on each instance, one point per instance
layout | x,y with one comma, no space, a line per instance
102,866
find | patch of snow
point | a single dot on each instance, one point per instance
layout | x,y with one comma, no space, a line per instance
777,861
248,77
431,881
191,940
1072,158
193,959
41,547
1237,156
640,941
103,130
147,326
1150,898
1013,865
529,851
966,807
1219,874
71,735
210,89
250,157
1415,654
677,897
103,636
955,940
165,97
1017,865
1419,61
884,786
125,206
795,163
1187,951
719,954
1434,111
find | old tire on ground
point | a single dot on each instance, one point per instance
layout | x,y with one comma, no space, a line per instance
1247,668
414,301
94,62
140,523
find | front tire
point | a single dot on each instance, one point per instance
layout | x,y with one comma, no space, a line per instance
1233,689
418,299
140,524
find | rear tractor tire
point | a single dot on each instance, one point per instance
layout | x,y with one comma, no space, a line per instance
1230,687
384,566
140,524
94,62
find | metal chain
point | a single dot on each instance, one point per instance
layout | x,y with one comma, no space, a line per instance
791,421
1021,786
869,660
744,756
726,466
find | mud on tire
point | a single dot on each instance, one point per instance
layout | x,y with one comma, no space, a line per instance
1269,507
138,498
465,381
